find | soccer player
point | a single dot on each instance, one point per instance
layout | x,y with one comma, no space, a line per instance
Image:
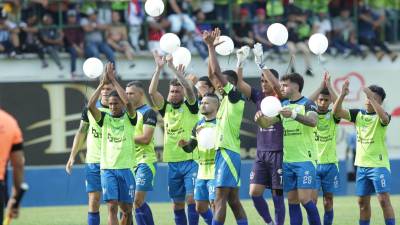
325,136
180,113
299,118
90,131
204,86
373,167
267,167
145,154
11,146
117,149
229,119
204,193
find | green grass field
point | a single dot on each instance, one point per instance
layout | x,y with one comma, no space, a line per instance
346,213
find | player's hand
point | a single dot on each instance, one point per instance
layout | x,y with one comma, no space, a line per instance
210,37
242,55
258,116
192,78
69,165
12,212
286,112
180,69
368,93
170,61
182,143
327,79
345,88
159,60
258,53
110,71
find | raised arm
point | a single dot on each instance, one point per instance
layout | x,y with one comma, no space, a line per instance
187,87
314,96
331,90
338,111
156,98
209,39
271,79
93,99
242,55
383,116
110,71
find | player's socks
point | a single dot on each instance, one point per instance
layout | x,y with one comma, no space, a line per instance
93,218
148,215
242,222
279,204
207,216
180,217
143,215
364,222
296,218
193,216
262,208
390,221
312,213
214,222
328,217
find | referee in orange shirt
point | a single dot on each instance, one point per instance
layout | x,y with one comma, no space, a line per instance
11,144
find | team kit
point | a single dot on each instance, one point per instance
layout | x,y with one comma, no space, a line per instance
296,148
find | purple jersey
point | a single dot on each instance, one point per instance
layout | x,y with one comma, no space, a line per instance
271,138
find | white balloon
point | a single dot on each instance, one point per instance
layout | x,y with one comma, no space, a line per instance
93,67
206,138
169,42
181,56
154,7
318,43
277,34
270,106
227,47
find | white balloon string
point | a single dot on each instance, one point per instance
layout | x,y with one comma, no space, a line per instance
320,63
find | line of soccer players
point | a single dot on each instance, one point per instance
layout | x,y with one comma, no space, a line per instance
296,151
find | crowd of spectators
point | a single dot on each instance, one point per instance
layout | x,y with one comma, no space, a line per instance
86,28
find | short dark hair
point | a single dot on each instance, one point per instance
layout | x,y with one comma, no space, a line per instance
378,90
232,75
294,78
275,73
137,84
207,80
325,91
174,82
114,93
211,95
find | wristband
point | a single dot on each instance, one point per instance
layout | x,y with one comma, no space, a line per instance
294,114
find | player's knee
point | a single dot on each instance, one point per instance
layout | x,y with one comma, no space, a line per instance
384,200
138,202
364,204
328,203
201,208
190,200
179,205
113,207
255,192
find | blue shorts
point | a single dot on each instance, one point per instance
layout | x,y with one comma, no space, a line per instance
93,180
144,176
181,179
298,175
227,168
327,177
372,180
118,184
204,190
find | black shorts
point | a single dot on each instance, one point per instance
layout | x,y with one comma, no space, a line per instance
267,170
